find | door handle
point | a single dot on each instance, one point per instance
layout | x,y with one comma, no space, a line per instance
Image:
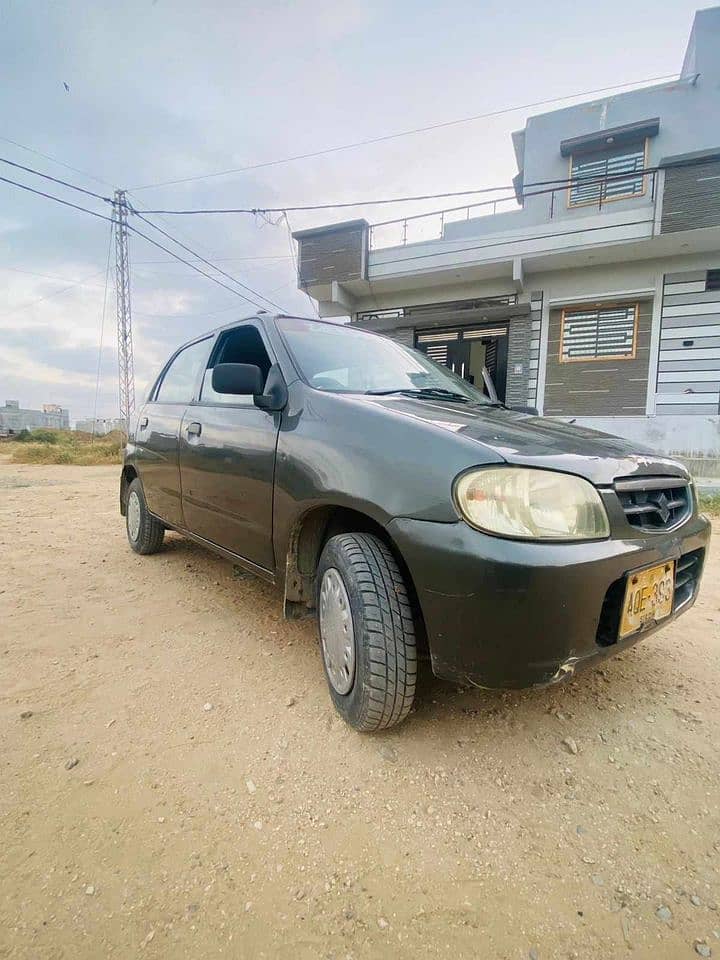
194,429
143,423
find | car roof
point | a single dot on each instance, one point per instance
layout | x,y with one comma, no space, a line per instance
265,315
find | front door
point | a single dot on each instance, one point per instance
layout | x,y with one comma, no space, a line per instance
227,457
467,351
158,429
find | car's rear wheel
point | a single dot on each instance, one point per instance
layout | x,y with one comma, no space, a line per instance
145,533
367,634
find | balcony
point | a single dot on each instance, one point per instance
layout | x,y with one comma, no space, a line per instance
499,231
499,239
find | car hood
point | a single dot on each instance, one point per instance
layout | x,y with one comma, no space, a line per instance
522,439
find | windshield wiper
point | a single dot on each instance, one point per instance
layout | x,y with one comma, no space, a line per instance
424,393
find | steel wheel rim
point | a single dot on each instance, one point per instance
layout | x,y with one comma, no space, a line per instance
336,632
133,516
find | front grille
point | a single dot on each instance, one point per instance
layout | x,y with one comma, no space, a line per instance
655,503
688,569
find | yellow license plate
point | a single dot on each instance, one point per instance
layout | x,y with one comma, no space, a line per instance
648,597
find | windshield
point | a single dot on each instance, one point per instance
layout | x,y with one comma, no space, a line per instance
340,359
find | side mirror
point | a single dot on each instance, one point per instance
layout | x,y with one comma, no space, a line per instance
275,395
240,379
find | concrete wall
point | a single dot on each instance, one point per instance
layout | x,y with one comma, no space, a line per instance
688,370
688,437
17,419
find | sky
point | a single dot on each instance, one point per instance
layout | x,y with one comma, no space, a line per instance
147,91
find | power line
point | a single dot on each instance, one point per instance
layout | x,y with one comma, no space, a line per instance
218,259
139,233
192,266
47,176
61,163
49,196
552,185
194,253
42,276
185,236
334,206
210,264
403,133
50,296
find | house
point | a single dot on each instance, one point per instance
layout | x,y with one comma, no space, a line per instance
592,293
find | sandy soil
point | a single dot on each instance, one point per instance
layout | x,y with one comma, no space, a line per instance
218,807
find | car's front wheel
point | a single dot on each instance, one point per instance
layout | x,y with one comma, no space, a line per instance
367,634
145,533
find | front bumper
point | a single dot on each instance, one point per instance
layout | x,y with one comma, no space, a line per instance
502,613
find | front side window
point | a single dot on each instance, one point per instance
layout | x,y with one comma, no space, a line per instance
241,345
339,359
599,333
612,173
179,380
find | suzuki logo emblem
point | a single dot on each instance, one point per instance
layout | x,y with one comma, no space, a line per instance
660,502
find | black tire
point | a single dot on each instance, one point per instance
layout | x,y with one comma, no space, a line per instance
150,532
385,672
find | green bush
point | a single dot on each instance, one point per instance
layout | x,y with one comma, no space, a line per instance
44,436
710,503
67,447
23,437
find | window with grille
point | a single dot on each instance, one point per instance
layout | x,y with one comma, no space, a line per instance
601,333
613,173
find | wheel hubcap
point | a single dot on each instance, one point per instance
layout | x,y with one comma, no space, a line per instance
133,516
336,631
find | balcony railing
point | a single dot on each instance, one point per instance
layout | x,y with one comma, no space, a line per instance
431,226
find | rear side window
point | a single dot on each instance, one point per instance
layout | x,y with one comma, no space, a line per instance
181,376
241,345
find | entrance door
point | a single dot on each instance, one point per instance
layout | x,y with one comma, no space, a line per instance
466,352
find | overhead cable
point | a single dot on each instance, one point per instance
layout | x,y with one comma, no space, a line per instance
209,263
61,163
155,243
551,185
46,176
403,133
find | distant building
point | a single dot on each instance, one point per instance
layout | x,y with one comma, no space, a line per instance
100,427
14,418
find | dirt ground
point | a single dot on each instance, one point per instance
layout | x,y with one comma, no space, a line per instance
218,807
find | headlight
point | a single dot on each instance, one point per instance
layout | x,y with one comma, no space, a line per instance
531,504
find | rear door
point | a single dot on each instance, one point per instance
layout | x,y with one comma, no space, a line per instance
227,456
158,430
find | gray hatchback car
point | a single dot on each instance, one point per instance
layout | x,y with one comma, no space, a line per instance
408,511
